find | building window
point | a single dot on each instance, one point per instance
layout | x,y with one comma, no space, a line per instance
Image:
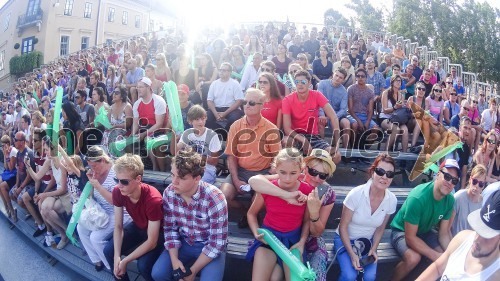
27,45
64,45
85,43
6,23
125,18
33,7
111,15
2,59
137,21
68,9
88,10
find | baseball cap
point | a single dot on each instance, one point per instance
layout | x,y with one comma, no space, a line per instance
183,88
146,81
486,221
451,163
322,155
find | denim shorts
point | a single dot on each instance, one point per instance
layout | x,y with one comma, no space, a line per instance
363,118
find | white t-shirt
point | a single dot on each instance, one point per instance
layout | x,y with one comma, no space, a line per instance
13,152
224,94
10,119
209,139
488,121
364,223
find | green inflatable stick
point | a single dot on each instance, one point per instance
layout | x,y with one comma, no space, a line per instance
117,147
78,211
102,118
23,102
70,149
35,95
292,80
430,164
292,258
174,106
57,117
152,143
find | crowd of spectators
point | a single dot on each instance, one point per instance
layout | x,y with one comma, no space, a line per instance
270,95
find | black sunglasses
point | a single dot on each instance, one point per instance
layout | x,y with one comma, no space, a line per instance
479,183
251,103
437,90
122,181
492,141
453,94
448,177
449,82
420,88
381,172
314,172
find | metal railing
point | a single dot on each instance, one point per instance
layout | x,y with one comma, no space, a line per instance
29,19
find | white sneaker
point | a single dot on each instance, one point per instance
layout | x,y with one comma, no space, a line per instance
49,241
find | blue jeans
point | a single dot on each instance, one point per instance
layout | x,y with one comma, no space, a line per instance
347,271
213,271
132,238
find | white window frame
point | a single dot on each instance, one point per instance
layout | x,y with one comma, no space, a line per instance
86,43
68,8
125,18
6,22
67,45
88,10
2,60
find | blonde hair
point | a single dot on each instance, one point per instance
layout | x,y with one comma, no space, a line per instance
478,171
316,161
130,163
77,161
288,154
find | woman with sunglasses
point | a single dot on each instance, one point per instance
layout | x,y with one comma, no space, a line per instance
345,63
102,178
365,214
485,155
120,117
392,100
319,167
468,200
271,109
436,103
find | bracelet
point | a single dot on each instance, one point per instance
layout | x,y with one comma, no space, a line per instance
314,220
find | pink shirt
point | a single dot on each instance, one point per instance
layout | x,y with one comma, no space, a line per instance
282,216
304,115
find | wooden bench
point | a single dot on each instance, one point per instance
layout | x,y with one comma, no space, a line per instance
239,238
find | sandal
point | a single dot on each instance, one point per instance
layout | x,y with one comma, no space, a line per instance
62,243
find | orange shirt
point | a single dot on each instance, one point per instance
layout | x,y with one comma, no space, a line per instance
254,147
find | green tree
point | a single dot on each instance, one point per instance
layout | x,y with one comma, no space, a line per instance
334,17
367,16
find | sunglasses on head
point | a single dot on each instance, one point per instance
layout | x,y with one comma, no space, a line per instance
250,103
381,172
122,181
314,172
479,183
448,177
303,81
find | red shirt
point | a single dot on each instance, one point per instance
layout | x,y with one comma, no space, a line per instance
304,115
270,110
148,208
282,216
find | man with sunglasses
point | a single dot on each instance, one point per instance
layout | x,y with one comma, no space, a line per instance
86,110
426,79
464,111
451,107
224,100
413,234
142,239
301,116
252,143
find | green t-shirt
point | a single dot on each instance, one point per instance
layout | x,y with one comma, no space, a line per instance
420,208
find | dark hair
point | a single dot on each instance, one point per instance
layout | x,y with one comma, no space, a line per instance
382,157
83,94
390,91
341,70
26,118
100,92
188,162
434,95
274,91
362,70
123,93
73,116
396,65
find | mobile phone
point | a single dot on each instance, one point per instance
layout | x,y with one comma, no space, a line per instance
179,274
367,260
322,189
